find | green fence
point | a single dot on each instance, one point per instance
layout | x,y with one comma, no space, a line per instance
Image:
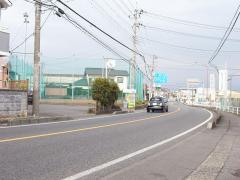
20,69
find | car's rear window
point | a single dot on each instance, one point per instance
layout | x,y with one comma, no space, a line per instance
156,99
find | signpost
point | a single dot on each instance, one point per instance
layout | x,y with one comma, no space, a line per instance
130,98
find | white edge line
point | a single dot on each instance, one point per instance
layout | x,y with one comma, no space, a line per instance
123,158
68,121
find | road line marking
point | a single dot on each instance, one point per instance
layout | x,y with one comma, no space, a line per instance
123,158
68,121
83,129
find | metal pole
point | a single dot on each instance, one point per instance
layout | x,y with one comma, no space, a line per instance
207,86
106,70
231,91
36,78
25,15
152,78
72,87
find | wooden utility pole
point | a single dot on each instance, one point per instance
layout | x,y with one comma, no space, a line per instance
36,73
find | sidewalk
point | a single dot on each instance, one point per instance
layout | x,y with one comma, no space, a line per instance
231,167
205,155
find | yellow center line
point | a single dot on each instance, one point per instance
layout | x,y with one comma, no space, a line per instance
83,129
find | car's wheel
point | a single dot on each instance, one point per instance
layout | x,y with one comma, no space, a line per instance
148,110
152,110
164,109
167,109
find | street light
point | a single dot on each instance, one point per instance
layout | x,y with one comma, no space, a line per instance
25,15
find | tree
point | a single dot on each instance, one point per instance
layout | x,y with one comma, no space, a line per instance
105,93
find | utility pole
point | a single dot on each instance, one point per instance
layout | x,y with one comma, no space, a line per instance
36,76
136,15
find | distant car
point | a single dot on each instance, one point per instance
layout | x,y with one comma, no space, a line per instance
30,97
157,103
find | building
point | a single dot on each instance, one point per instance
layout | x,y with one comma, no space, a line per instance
57,85
79,86
4,47
64,79
119,76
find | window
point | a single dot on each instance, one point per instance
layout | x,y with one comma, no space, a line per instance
119,79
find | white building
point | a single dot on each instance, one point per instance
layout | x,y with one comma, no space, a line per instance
119,76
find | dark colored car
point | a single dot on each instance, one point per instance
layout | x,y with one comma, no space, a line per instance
157,103
30,97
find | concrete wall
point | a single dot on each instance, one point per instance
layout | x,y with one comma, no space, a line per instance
13,103
56,91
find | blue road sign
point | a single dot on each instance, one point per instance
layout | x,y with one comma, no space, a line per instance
160,78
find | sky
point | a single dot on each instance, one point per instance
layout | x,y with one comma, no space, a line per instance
181,49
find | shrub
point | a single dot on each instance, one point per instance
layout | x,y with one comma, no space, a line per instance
105,93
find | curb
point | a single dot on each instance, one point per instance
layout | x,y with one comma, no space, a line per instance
215,120
216,116
33,120
120,112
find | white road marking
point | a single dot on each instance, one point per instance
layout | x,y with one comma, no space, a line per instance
123,158
68,121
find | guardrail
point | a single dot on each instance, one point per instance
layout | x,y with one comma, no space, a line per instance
231,109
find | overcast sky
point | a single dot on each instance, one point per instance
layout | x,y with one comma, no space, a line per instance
65,49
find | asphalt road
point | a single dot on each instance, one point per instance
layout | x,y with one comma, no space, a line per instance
59,150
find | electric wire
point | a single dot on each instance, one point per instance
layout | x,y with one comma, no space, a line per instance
187,34
226,35
30,35
186,22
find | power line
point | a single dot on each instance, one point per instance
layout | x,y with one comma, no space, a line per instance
125,5
185,47
77,25
107,34
95,26
226,35
103,11
189,23
188,34
30,35
129,1
60,13
121,8
115,12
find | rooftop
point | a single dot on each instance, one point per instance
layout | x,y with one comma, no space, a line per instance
101,71
63,75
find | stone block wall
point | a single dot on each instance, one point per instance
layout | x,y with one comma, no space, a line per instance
13,103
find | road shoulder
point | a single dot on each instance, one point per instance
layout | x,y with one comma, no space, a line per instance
177,161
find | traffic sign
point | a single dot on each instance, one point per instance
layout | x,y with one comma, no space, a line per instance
160,78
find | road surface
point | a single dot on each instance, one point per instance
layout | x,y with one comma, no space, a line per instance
61,150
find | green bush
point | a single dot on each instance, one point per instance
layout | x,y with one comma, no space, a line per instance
105,93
